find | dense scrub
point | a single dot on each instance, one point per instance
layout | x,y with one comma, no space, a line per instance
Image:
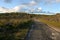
10,32
14,26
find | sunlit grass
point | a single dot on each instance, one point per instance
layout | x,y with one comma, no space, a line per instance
53,23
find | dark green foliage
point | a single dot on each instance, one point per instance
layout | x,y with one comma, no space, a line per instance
7,31
25,25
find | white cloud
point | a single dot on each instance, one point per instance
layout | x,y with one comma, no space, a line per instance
57,1
39,9
2,9
52,1
18,8
32,10
37,1
32,3
47,1
15,9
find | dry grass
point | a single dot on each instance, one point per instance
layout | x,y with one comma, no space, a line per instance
53,23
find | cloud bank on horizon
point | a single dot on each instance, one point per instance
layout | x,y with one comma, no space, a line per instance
28,5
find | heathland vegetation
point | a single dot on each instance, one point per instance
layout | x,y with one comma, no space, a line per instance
53,20
14,26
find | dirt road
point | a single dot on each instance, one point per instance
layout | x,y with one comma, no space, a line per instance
41,31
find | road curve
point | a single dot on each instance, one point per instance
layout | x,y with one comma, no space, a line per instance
41,31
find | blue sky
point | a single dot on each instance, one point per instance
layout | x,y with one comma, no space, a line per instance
44,5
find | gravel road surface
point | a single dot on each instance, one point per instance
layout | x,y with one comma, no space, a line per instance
41,31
